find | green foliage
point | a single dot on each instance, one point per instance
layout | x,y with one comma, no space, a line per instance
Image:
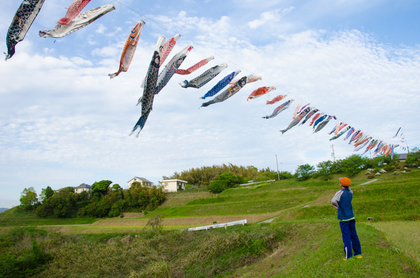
162,253
28,198
59,205
27,261
204,175
325,170
230,179
83,196
217,186
46,193
304,172
413,157
352,165
100,188
267,175
284,175
117,190
224,181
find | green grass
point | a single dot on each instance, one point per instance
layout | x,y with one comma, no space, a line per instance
303,241
405,236
19,217
316,250
149,254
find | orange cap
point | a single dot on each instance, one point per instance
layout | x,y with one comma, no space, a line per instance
345,181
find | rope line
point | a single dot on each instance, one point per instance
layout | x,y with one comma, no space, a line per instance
289,94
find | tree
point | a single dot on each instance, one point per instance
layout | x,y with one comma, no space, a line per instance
28,198
304,172
117,190
229,178
353,165
45,194
100,187
325,170
413,157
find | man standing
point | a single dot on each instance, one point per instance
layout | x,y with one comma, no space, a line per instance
342,202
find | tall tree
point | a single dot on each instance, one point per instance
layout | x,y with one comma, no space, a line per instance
45,194
100,188
28,198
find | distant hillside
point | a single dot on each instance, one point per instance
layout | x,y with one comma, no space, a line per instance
3,209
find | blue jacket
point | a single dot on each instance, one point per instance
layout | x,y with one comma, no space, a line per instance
342,200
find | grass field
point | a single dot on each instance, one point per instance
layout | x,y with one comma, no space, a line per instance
304,240
405,236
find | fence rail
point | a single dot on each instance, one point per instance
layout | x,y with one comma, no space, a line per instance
221,225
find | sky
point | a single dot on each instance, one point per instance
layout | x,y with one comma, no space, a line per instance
63,122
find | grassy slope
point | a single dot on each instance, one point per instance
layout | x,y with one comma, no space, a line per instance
316,250
313,247
18,217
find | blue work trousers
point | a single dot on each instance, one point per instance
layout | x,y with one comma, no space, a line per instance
350,238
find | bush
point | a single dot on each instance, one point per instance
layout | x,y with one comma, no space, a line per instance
229,178
26,262
370,176
284,175
217,186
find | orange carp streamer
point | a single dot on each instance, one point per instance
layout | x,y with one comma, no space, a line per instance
260,91
129,49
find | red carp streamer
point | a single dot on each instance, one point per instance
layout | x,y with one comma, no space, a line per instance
74,9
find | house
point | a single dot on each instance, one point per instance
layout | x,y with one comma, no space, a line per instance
82,187
403,156
142,181
173,185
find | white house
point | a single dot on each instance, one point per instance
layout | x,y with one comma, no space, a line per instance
142,181
173,185
82,187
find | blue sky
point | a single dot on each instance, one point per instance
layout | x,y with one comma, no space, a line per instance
63,122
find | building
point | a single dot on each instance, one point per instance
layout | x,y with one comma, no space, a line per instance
142,181
403,156
82,187
173,185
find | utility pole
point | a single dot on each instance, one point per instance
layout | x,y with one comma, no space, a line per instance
278,173
333,154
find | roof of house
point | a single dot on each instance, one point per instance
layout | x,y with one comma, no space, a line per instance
402,156
140,178
83,185
171,180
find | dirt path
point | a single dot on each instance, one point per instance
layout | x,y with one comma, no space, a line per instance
207,220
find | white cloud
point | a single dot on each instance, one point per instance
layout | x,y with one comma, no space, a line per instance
269,17
64,122
101,29
107,51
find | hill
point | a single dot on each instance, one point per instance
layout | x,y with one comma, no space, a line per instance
304,240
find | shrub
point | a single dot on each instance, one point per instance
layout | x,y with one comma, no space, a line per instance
217,186
284,175
370,176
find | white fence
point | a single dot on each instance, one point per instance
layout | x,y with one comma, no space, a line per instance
221,225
